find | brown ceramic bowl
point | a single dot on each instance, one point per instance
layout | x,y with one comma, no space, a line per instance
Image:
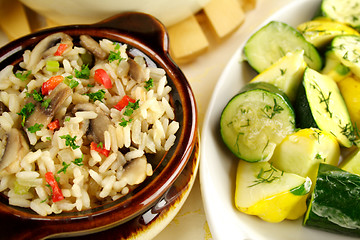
146,36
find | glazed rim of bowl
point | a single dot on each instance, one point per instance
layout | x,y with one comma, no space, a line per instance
144,36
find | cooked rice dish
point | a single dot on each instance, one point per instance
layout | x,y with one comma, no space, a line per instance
78,124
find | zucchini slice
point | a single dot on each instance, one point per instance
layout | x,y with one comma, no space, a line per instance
334,204
351,163
273,41
350,90
286,74
345,11
269,193
334,68
320,104
256,120
347,49
321,31
303,151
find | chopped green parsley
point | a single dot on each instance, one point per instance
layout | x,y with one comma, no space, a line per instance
149,84
64,168
99,95
39,97
78,161
69,141
72,83
124,122
35,128
26,111
23,75
131,107
84,73
115,55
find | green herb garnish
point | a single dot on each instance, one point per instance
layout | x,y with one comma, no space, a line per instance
131,107
115,55
124,122
84,73
35,128
149,84
322,97
39,97
78,161
64,168
26,111
282,71
72,83
46,103
271,111
69,141
23,75
99,95
36,95
266,176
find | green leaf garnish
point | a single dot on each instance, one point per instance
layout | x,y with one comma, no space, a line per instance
72,83
131,107
23,75
69,141
115,55
99,95
124,122
46,103
84,73
149,84
78,161
65,166
26,111
35,128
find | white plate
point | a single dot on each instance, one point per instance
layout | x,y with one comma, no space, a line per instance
218,165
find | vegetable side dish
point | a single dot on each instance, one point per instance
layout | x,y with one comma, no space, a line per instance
79,123
294,127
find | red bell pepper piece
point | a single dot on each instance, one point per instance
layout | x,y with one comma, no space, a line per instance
54,125
103,78
56,191
124,102
99,149
51,84
62,47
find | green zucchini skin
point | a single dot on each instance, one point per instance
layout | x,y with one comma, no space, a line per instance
256,120
273,41
304,117
334,204
320,104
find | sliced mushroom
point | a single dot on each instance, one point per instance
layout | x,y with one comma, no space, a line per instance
94,47
136,72
98,125
48,42
135,171
15,150
3,108
43,115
